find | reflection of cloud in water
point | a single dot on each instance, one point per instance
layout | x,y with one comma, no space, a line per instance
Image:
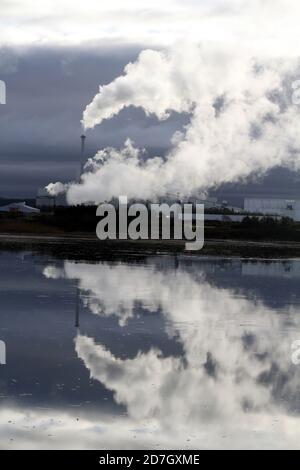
235,375
21,428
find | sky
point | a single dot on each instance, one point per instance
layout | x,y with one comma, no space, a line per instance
55,54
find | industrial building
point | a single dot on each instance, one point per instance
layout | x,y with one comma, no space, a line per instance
273,206
19,208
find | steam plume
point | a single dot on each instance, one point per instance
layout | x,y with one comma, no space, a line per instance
241,123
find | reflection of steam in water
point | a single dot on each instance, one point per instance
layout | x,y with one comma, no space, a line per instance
236,369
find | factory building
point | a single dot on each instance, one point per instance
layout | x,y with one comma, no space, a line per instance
273,206
19,208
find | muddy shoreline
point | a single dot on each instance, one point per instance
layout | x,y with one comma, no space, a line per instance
83,247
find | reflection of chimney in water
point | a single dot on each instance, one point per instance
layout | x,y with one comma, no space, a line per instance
77,323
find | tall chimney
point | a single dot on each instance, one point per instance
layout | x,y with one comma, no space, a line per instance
83,137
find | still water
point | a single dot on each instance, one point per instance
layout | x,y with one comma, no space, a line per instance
162,352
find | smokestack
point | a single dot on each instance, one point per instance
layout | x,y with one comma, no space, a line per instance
83,137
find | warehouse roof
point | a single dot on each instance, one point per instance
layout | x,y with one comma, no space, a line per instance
19,207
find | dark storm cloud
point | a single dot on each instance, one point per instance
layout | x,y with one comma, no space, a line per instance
23,178
47,90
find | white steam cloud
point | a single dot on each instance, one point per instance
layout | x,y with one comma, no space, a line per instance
242,123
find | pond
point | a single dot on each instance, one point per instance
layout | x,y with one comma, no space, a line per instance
159,352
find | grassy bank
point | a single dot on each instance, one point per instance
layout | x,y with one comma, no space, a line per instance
70,232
